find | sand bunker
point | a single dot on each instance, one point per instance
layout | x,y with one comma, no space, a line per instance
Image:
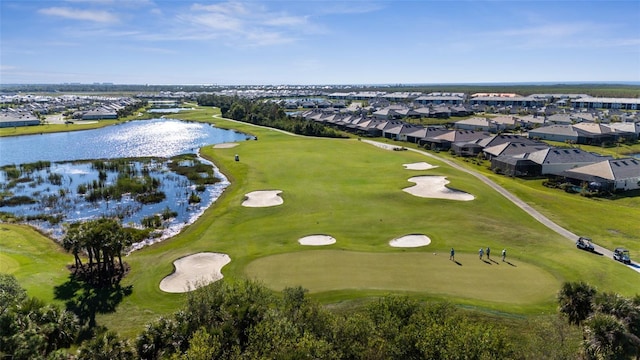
419,166
263,198
225,145
194,271
317,240
410,241
435,187
383,145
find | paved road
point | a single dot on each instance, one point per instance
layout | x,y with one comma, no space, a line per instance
521,204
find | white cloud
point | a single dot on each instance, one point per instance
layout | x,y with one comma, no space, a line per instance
243,24
100,16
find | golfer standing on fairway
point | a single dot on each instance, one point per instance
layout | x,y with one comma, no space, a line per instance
452,255
504,254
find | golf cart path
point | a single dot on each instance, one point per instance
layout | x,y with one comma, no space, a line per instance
518,202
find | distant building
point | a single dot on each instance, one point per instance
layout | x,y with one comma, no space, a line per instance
607,103
15,119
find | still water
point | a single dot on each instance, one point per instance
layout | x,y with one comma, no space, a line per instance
157,137
149,138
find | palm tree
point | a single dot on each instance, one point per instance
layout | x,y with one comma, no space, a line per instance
605,337
576,301
105,347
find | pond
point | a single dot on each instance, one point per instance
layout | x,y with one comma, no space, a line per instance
168,110
62,187
156,137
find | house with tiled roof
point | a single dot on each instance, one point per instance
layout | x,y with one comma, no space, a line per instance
609,175
561,133
445,140
512,149
477,124
556,160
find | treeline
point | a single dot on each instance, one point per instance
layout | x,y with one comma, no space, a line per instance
265,113
131,109
245,320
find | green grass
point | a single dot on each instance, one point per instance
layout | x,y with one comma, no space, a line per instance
495,283
36,262
353,191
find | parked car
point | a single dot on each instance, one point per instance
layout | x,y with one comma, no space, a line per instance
585,244
622,255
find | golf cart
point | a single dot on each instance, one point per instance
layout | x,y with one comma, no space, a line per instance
622,255
585,244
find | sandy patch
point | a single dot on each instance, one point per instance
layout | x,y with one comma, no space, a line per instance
410,241
382,145
435,187
419,166
317,240
194,271
263,198
225,145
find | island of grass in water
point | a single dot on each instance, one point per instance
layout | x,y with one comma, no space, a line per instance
156,196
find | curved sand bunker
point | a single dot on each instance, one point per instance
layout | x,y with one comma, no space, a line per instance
263,198
435,187
225,145
410,241
194,271
419,166
317,240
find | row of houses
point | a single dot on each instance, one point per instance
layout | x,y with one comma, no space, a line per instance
509,154
21,109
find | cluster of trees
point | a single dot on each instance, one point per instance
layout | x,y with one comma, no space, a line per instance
130,109
247,321
610,323
102,240
30,329
265,113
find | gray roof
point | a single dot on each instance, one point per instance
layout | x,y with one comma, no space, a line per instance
618,169
514,148
565,156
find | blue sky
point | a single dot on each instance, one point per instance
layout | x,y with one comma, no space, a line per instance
318,42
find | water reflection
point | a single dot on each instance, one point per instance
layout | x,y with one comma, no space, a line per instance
157,137
58,188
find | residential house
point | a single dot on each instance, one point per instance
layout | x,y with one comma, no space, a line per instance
556,160
561,133
477,124
609,175
516,165
444,141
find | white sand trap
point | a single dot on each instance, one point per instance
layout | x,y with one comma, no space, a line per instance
317,240
263,198
225,145
193,271
419,166
435,187
409,241
383,145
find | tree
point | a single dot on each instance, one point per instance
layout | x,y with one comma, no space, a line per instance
102,240
30,329
10,292
575,300
107,346
604,337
